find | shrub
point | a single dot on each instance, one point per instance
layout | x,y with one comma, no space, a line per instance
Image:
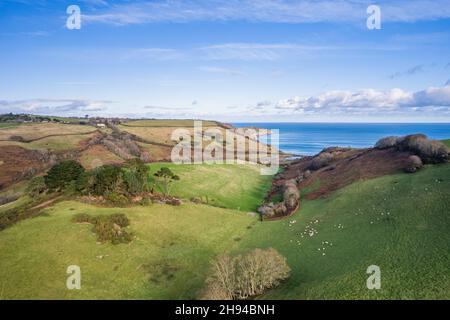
321,160
267,210
280,209
107,229
387,142
117,199
431,151
245,276
291,194
83,218
63,174
120,219
146,201
36,187
414,163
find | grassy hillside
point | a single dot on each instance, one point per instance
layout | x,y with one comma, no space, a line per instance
33,131
167,260
166,123
398,222
56,143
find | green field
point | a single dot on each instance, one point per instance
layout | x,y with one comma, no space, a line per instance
398,222
57,143
167,260
8,125
232,186
166,123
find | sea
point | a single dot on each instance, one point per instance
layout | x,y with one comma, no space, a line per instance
311,138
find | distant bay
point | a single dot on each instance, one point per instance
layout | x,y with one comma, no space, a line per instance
311,138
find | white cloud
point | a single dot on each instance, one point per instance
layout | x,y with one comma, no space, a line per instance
367,100
433,96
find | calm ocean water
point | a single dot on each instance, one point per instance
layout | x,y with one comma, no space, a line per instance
311,138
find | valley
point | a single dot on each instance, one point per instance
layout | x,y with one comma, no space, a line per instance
350,216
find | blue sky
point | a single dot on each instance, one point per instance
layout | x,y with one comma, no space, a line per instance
260,60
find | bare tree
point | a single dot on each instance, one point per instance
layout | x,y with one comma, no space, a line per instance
245,275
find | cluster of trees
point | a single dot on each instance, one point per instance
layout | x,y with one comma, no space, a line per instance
115,183
245,276
11,117
291,201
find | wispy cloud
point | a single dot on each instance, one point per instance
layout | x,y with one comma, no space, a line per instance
153,54
52,106
215,52
279,11
223,71
38,33
259,51
167,108
411,71
76,83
